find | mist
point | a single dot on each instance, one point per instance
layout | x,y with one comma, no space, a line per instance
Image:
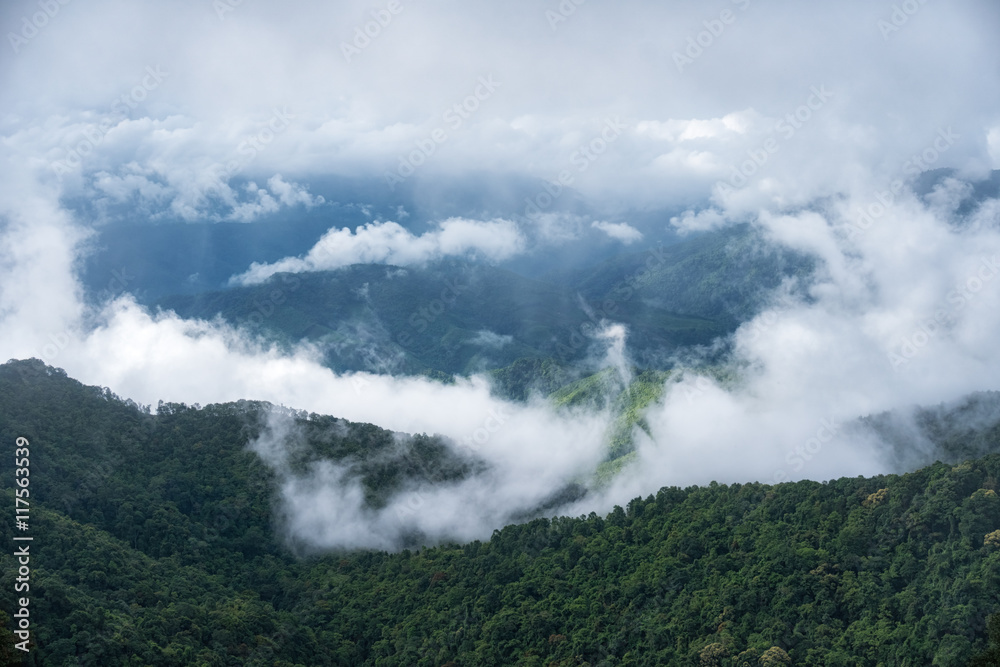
325,508
816,140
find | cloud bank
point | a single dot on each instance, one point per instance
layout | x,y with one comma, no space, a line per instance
390,243
620,231
807,120
264,90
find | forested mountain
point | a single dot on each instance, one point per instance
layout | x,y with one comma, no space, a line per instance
464,334
449,318
457,317
725,275
153,255
157,543
955,431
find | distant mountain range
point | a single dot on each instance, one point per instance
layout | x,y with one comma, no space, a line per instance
457,317
152,256
160,541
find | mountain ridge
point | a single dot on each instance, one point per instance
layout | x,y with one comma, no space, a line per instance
182,564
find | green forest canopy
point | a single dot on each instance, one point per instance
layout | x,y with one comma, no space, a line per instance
158,545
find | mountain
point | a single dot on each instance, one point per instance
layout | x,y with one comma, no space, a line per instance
451,318
151,261
458,317
966,428
157,542
725,276
967,195
156,254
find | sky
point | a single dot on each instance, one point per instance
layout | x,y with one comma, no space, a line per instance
804,119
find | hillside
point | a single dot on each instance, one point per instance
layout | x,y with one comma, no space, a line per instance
450,318
725,275
157,544
459,318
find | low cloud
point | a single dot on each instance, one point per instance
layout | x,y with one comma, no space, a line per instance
901,313
324,507
490,339
620,231
391,243
262,201
700,221
903,309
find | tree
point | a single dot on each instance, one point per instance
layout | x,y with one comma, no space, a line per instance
775,657
8,654
991,656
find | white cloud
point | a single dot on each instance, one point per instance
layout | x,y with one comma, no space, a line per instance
132,180
738,122
490,339
620,231
993,141
903,314
151,358
390,243
880,288
857,345
717,110
556,228
948,195
292,194
263,201
701,221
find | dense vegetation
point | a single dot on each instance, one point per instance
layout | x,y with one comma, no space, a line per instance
725,276
458,317
157,544
449,318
